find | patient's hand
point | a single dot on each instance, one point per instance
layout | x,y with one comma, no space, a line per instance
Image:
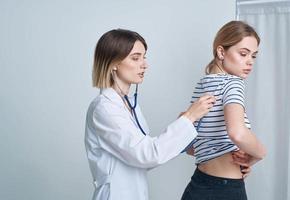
244,160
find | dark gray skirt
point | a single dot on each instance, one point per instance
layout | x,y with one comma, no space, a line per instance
206,187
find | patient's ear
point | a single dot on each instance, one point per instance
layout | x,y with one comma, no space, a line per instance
220,52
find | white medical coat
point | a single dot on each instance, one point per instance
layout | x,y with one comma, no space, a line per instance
119,154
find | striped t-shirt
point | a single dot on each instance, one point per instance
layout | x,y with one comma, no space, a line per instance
213,140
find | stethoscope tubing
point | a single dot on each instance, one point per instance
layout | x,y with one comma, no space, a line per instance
132,108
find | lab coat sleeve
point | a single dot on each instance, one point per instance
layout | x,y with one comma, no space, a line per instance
119,136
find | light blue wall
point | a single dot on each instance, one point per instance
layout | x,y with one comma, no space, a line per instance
46,54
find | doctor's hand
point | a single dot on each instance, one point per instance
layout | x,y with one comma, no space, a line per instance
199,108
190,151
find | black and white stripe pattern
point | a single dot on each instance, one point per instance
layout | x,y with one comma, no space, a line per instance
212,140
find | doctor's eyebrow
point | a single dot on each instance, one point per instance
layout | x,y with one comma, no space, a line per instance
137,54
248,50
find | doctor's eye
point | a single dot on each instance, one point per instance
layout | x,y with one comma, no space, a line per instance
135,58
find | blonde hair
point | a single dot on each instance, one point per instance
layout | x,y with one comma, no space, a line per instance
112,47
229,35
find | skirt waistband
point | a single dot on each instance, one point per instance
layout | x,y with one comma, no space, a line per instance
202,177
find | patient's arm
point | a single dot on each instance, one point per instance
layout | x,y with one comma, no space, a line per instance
240,134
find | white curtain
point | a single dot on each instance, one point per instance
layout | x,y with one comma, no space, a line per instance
268,97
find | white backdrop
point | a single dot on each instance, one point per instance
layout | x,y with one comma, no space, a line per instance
268,98
46,55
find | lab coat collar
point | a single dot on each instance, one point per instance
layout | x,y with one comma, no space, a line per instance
111,94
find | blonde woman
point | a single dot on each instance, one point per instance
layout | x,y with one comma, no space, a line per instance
226,128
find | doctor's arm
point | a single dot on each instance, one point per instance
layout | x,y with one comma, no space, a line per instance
119,135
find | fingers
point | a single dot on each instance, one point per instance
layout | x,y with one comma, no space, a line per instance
241,158
207,96
246,171
241,155
200,107
207,99
243,164
190,151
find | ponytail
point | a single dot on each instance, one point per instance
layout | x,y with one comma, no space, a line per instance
210,66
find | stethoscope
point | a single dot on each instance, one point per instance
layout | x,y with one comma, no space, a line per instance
132,108
200,121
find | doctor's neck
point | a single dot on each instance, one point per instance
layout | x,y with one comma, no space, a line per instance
122,89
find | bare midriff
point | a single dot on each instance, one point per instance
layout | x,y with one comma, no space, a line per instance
222,166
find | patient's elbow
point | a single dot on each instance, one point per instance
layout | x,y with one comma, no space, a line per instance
239,136
260,154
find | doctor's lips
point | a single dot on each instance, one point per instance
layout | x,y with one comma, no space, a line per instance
141,74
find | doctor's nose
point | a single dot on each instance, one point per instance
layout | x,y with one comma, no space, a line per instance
144,65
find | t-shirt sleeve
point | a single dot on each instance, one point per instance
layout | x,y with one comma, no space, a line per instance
234,92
